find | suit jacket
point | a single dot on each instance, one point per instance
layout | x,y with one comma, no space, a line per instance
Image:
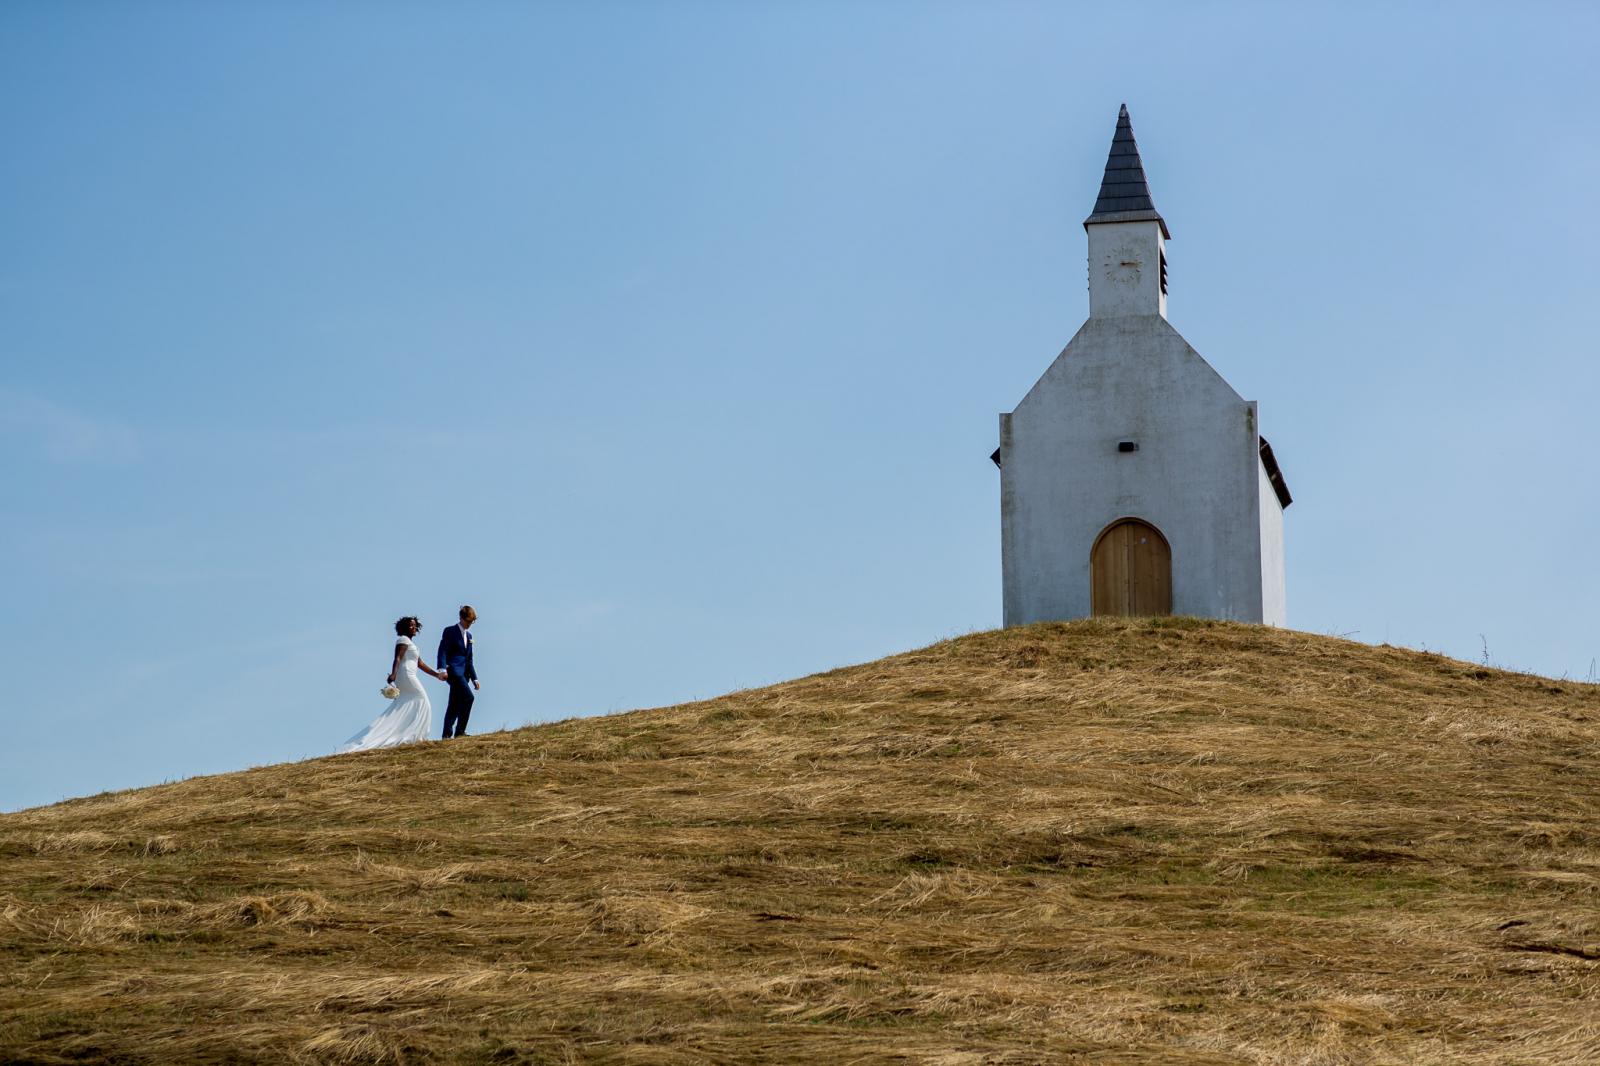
455,653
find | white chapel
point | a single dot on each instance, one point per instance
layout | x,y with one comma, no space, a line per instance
1133,479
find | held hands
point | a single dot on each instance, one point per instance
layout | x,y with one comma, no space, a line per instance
443,675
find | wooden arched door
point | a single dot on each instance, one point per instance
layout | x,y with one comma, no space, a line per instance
1130,570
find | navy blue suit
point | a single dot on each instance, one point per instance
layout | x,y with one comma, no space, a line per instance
455,659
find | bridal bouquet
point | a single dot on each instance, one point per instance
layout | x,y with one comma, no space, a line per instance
390,691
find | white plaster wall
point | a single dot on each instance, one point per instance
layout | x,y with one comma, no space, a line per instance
1195,475
1274,589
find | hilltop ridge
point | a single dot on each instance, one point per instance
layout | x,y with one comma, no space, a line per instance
1108,841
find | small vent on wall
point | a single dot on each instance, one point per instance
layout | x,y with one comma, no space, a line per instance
1163,273
1127,446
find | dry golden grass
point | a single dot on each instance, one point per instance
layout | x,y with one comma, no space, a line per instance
1105,842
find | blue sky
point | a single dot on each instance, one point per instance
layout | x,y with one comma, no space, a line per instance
673,336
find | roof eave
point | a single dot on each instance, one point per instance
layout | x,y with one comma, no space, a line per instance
1129,216
1269,462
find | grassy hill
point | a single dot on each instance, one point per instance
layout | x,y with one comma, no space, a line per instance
1106,842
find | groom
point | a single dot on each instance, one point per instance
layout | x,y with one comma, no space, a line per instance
455,658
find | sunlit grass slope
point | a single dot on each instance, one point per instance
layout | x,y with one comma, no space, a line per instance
1103,842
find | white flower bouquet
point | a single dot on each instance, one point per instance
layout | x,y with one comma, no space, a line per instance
390,691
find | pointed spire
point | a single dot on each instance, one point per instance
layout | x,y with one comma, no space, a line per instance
1124,194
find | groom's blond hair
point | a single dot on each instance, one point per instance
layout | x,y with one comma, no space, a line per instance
466,612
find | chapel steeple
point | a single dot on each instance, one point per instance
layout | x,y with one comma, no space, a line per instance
1124,192
1127,235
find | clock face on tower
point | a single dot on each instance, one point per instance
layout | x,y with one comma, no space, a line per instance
1122,265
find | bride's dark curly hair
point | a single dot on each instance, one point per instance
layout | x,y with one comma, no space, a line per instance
400,626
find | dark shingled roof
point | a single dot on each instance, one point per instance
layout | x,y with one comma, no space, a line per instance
1124,194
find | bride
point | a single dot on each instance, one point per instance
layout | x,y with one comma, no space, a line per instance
409,715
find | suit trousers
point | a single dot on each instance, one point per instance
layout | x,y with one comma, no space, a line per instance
459,709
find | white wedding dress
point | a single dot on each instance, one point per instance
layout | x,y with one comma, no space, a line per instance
408,717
